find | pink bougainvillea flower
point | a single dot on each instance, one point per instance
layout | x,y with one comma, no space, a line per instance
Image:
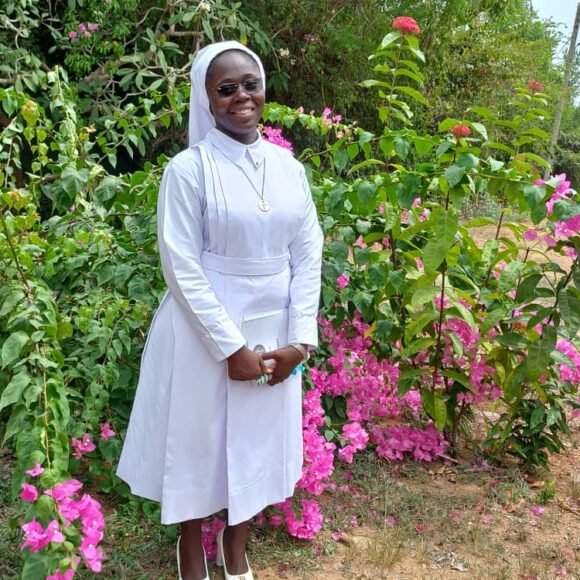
343,281
93,27
570,252
567,228
562,191
420,528
275,136
35,471
36,537
68,575
391,521
530,235
360,243
29,493
406,25
537,510
73,35
487,519
65,489
82,27
460,130
82,446
106,432
535,86
455,515
336,536
92,556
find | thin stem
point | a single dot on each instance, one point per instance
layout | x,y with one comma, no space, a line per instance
440,328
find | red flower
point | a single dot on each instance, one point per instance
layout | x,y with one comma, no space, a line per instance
461,130
535,86
406,25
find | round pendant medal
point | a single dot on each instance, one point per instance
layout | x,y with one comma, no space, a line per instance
263,205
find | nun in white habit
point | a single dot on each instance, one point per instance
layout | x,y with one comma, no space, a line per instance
216,424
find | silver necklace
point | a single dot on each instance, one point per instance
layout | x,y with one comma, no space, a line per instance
263,205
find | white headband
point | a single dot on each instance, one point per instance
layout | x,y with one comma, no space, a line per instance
200,118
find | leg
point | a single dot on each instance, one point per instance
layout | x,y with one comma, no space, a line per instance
235,541
191,551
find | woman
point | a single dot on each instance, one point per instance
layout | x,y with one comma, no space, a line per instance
240,249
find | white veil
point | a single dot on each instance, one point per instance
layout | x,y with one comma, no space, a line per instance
200,118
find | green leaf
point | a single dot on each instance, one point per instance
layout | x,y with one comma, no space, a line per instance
340,159
402,147
35,566
435,251
481,129
418,323
107,189
537,160
138,288
14,389
440,412
538,358
12,300
570,309
72,181
366,192
422,146
454,174
414,94
408,190
417,346
499,147
13,346
527,288
534,196
407,379
512,340
467,161
424,294
389,39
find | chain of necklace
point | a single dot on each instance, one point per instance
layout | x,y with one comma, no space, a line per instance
263,205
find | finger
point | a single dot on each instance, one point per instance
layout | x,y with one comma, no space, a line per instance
275,354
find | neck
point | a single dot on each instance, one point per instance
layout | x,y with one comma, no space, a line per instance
243,139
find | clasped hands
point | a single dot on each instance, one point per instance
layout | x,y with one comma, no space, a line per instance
246,365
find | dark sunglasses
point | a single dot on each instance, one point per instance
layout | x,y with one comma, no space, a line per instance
250,86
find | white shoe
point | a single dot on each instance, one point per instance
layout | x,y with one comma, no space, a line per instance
179,563
221,561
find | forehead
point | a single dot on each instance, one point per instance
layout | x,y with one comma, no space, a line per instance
231,65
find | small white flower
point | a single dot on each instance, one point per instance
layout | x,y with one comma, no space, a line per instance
284,52
204,6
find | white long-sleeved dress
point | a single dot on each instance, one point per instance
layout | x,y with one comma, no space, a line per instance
198,441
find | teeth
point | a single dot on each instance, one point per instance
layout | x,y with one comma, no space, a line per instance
243,112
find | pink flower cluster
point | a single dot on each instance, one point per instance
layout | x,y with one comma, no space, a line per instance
460,131
308,525
82,446
85,30
70,508
562,191
275,136
356,439
421,444
535,86
318,452
209,530
406,25
568,373
567,228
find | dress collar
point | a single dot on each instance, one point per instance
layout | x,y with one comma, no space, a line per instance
237,152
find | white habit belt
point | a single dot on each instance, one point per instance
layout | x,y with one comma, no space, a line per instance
245,266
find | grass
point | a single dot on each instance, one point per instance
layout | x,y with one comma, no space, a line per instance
444,514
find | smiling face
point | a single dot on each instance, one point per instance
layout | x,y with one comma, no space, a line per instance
238,114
